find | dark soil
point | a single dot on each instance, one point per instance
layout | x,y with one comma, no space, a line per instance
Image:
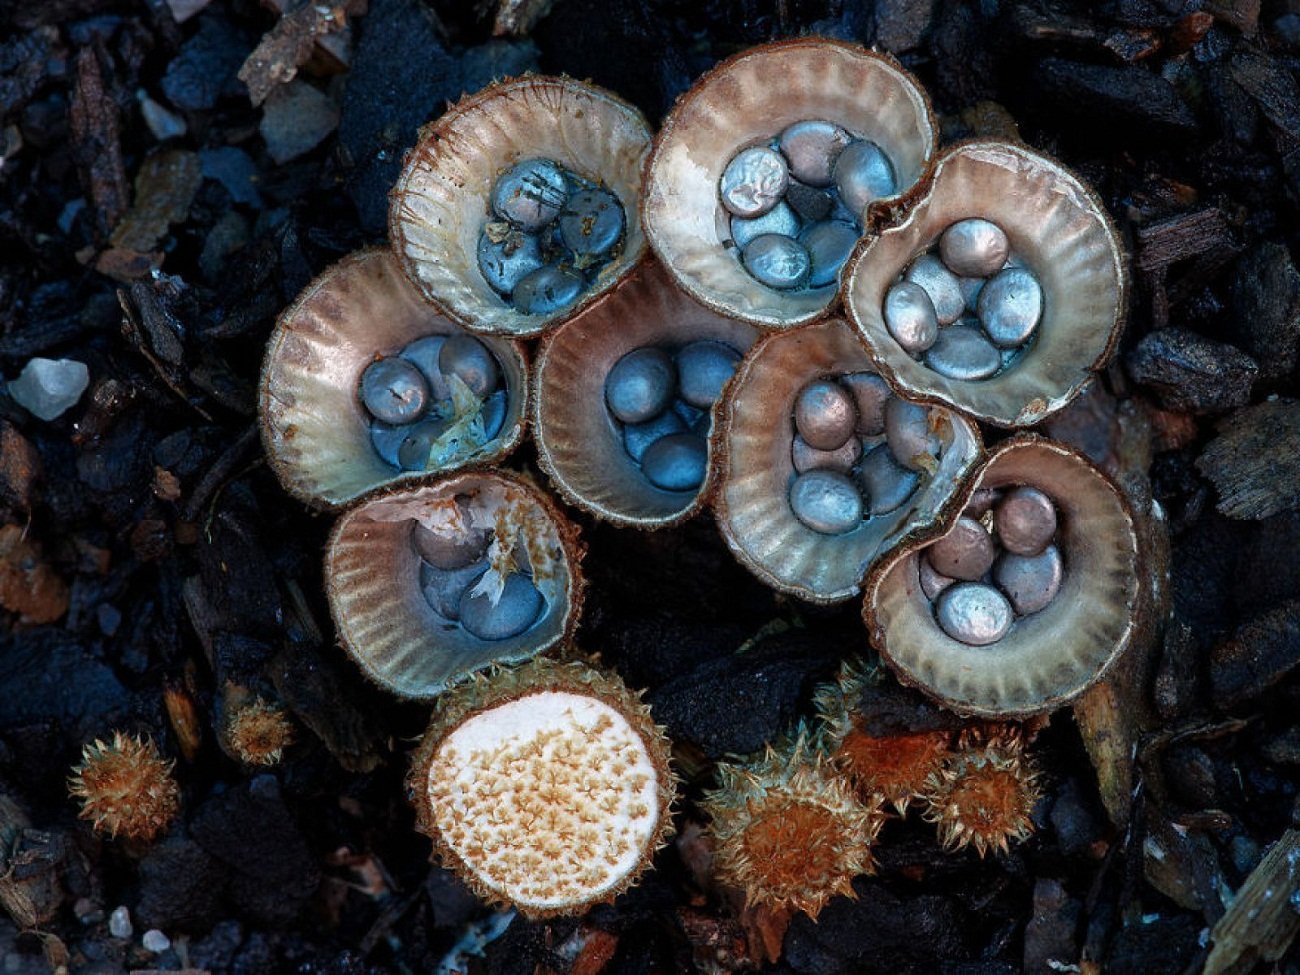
153,223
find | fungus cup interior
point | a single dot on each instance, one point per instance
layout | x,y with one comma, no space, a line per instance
373,579
579,443
752,503
316,432
746,101
440,202
1059,230
1048,657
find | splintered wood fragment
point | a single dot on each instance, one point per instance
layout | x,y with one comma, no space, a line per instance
96,141
1254,462
517,18
1265,916
1184,235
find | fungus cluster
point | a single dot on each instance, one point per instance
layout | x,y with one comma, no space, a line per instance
126,787
833,431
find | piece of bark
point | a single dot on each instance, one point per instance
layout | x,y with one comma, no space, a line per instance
97,141
1262,921
1254,462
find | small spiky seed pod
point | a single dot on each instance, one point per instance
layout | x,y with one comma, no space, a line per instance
258,733
985,793
891,768
788,832
125,787
545,787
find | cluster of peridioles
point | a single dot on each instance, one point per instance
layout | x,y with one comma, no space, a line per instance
793,390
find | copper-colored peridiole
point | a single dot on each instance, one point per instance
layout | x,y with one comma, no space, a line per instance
748,100
579,443
1060,231
440,202
1049,657
314,428
372,578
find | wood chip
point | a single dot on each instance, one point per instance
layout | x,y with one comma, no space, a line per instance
97,142
1254,462
1265,916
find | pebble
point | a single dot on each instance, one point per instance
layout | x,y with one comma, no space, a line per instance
155,941
826,501
941,285
469,359
119,922
829,245
910,317
520,605
676,462
863,174
387,441
547,290
1010,307
966,552
960,352
842,459
1029,581
1189,373
777,261
884,482
1025,521
974,248
973,613
932,582
641,385
781,219
394,390
907,429
637,437
703,368
443,589
824,414
48,388
592,222
423,354
296,118
505,263
754,181
811,149
530,194
811,204
448,550
417,442
870,394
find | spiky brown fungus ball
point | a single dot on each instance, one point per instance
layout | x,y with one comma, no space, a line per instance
258,732
546,787
984,795
125,787
788,831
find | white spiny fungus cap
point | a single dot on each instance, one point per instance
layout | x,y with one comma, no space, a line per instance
546,787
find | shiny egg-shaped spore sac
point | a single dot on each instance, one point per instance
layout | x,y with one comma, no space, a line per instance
662,400
754,182
1010,306
518,607
781,219
910,317
974,248
824,414
440,399
826,501
811,148
829,245
962,352
974,613
777,261
549,234
863,174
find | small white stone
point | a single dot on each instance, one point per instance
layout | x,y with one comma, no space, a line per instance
119,922
155,941
48,388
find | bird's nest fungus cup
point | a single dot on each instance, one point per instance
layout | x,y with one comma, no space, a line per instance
809,520
1015,339
519,206
546,787
766,172
359,344
430,583
1027,599
627,393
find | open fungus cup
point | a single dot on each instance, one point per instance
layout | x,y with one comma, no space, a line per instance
372,579
757,468
1049,657
440,203
748,100
1058,229
579,443
314,428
